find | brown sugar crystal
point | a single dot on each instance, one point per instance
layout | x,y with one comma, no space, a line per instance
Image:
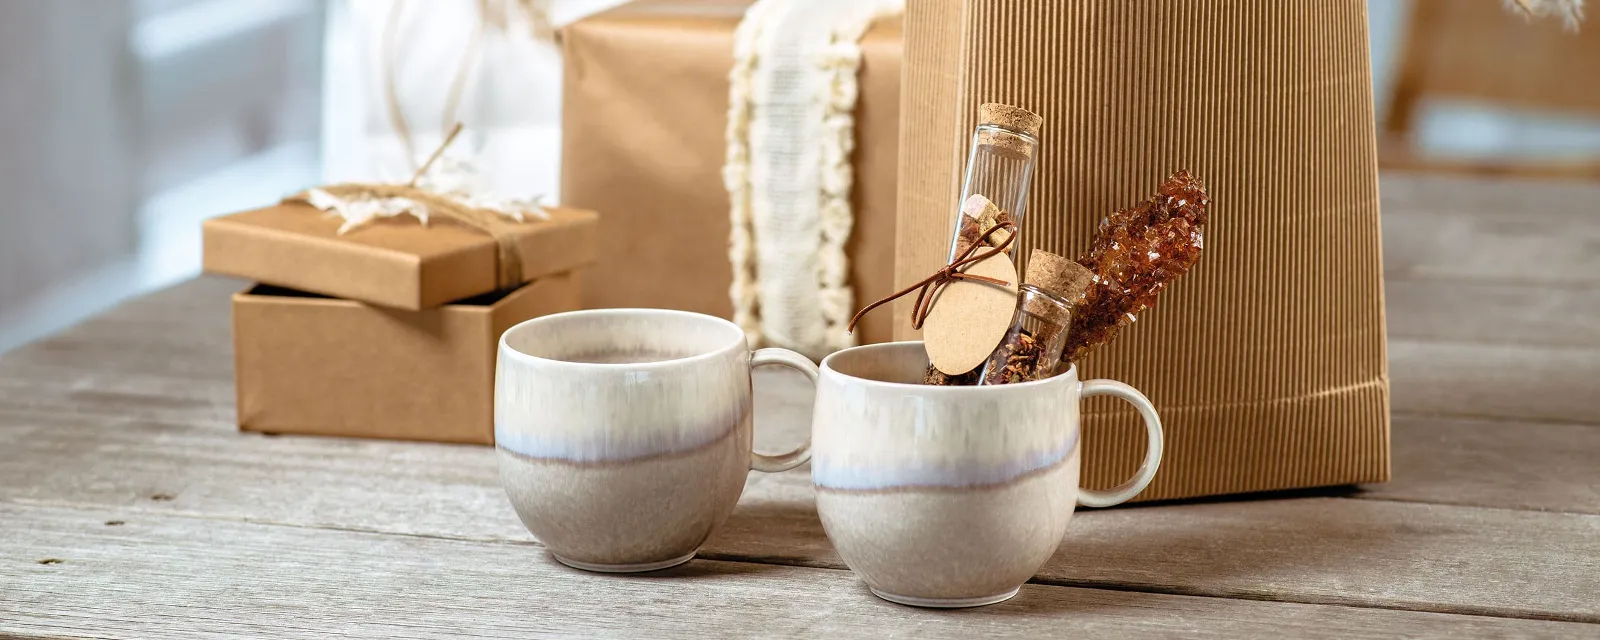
967,234
1137,252
988,216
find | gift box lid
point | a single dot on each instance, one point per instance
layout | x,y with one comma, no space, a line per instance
395,262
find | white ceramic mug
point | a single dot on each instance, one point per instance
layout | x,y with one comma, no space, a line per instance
945,496
624,435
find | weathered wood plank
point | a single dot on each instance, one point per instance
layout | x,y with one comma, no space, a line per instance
1491,231
1490,313
1495,381
1406,194
371,485
110,396
1506,464
186,318
166,356
1323,550
287,484
1506,351
1470,462
1307,550
1503,248
162,576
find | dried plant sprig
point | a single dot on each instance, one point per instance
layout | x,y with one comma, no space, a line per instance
1570,11
450,187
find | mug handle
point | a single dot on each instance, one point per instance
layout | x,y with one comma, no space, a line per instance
1152,455
802,453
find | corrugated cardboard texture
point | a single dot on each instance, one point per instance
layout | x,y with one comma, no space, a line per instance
308,364
396,263
1267,360
643,140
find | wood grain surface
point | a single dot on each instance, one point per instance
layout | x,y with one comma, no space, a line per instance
67,570
1491,526
1455,557
1511,382
1454,311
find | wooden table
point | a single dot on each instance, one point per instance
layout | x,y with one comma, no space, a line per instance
129,505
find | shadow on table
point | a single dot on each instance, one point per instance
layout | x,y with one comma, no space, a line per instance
1344,491
1251,546
774,532
1198,547
699,568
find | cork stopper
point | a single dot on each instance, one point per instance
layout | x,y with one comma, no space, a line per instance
1014,118
1061,278
1017,133
1058,276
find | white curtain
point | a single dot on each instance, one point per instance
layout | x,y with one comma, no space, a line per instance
426,64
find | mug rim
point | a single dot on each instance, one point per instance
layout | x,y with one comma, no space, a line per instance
505,349
1071,373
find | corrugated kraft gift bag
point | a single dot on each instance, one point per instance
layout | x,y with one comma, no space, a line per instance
1267,360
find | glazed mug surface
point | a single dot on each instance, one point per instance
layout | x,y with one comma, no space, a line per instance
952,496
624,435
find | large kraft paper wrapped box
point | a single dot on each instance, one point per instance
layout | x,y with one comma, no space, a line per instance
1266,361
390,330
644,119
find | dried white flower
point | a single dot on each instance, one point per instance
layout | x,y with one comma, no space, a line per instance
448,186
455,180
359,211
1570,11
461,180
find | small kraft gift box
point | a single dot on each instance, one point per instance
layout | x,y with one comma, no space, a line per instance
745,158
389,330
1266,362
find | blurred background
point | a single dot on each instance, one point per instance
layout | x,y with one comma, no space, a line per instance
126,122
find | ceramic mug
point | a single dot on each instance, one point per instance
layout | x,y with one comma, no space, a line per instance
624,435
944,496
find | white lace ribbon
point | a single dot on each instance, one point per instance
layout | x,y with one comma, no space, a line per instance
791,133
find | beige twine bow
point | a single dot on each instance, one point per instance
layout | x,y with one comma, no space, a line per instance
509,262
928,288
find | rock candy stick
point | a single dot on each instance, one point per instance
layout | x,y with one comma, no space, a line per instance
1137,252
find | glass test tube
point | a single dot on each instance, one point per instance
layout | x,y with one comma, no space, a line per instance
1000,165
1032,347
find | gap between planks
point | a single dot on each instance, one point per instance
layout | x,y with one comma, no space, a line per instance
1423,501
1336,602
1041,598
1553,384
776,523
1468,417
770,560
453,492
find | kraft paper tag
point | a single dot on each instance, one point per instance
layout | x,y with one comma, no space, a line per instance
970,318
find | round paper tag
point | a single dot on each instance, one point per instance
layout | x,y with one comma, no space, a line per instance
970,318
